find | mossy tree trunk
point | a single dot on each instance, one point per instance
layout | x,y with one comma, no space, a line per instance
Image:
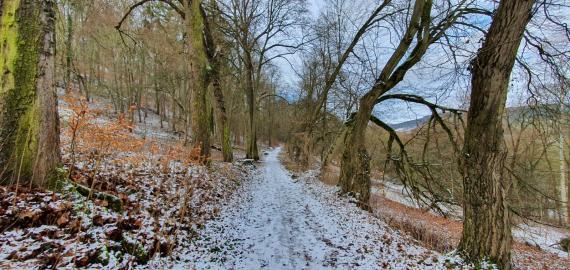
355,161
223,124
214,77
29,124
198,69
487,227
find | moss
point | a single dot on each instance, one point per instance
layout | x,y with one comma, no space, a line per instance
565,244
8,53
20,32
59,180
114,202
201,118
226,143
104,256
197,25
55,179
485,264
134,248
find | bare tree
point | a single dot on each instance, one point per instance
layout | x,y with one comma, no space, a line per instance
420,32
263,31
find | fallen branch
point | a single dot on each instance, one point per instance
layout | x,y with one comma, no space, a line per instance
114,202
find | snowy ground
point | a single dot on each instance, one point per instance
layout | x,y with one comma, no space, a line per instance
544,237
164,197
277,222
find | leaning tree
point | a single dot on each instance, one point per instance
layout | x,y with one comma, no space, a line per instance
486,226
425,25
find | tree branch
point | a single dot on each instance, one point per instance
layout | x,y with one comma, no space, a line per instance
135,6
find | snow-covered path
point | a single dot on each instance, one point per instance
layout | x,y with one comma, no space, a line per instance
276,222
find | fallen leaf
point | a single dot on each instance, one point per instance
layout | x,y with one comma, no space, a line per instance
98,220
102,203
138,223
26,214
63,219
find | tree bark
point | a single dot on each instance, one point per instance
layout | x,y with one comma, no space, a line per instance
68,46
487,227
198,71
562,160
223,124
215,78
251,143
29,124
355,161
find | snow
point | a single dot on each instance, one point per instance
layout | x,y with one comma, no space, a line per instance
279,223
399,193
395,192
544,237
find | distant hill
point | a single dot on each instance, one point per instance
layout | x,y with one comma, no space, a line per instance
516,114
411,124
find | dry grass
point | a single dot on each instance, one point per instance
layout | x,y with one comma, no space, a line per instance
289,164
434,232
442,234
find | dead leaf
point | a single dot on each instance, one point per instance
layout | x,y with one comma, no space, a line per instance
138,223
114,234
102,203
98,220
27,214
63,219
75,225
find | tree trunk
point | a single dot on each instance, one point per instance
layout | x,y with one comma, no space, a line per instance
487,228
29,124
562,184
198,70
223,124
355,161
68,47
215,78
251,144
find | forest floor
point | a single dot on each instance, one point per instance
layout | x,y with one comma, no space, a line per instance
443,234
281,221
131,192
536,246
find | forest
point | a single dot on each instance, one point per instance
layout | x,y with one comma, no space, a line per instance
285,134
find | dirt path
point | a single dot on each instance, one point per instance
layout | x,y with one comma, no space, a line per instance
276,222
